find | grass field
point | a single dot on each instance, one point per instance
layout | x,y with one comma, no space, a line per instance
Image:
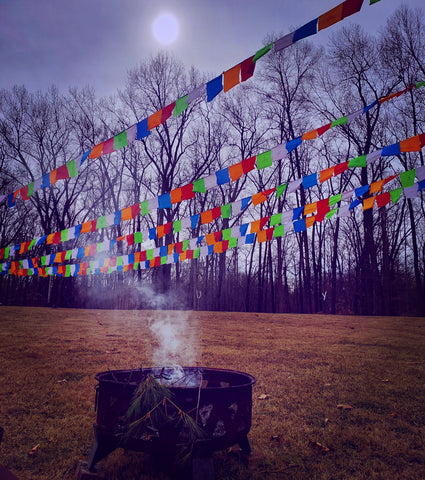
373,368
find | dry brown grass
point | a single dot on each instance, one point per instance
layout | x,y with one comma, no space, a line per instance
308,364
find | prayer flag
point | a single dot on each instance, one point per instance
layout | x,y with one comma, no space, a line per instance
294,185
280,189
199,186
361,190
376,186
330,17
214,87
180,106
210,181
248,164
306,30
226,210
247,69
164,200
340,168
108,146
311,135
72,169
176,195
300,225
293,144
284,42
231,78
96,151
154,120
323,129
372,157
368,203
383,199
326,174
393,149
206,217
411,192
297,212
310,208
407,179
309,181
142,129
144,207
278,231
279,152
357,162
223,176
62,172
349,7
264,160
340,121
260,53
120,140
46,181
188,191
167,112
194,221
412,144
275,219
196,93
236,171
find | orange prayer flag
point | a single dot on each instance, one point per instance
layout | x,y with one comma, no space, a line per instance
376,186
309,135
170,248
412,144
255,226
262,236
86,251
160,231
231,78
53,177
236,171
183,256
86,227
329,18
309,221
218,247
154,120
176,195
368,203
206,217
137,257
210,238
310,208
96,151
126,214
258,198
326,174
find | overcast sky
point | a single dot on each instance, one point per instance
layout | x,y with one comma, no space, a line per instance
94,42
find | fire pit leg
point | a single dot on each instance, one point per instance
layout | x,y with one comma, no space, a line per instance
100,449
244,444
202,461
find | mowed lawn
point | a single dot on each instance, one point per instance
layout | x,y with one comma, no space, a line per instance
337,397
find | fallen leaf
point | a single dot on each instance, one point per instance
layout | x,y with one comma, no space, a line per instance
319,447
385,380
344,407
276,438
263,396
62,381
33,450
326,421
394,414
326,384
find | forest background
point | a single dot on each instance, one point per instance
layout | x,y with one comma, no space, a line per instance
369,262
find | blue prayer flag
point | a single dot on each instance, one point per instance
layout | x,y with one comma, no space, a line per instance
222,176
142,129
194,220
300,225
214,87
310,180
164,200
293,144
297,212
393,149
306,30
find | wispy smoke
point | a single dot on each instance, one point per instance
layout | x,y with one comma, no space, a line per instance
175,331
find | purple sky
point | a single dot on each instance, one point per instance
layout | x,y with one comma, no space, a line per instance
95,42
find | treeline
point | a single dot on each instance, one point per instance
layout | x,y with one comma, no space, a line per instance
369,262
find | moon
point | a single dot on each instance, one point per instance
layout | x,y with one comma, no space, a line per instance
165,28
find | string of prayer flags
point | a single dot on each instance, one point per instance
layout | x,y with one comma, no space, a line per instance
143,128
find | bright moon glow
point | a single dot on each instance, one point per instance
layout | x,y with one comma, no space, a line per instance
165,28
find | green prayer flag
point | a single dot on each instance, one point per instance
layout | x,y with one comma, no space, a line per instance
177,226
72,169
99,247
68,255
30,189
180,106
185,245
101,222
138,237
275,219
262,52
331,213
335,199
226,210
280,189
43,260
420,84
32,244
196,253
119,261
135,265
144,207
91,263
278,231
30,272
357,162
64,235
199,186
227,233
68,271
163,260
110,270
373,1
340,121
6,252
149,254
395,194
264,160
120,140
233,242
408,178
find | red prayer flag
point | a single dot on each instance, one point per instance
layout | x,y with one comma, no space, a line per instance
247,68
167,112
383,199
187,192
341,167
325,128
108,146
62,173
248,164
349,7
216,212
130,239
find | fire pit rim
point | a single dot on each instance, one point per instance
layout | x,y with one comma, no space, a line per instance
111,373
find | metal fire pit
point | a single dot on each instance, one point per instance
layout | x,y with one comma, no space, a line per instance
223,400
